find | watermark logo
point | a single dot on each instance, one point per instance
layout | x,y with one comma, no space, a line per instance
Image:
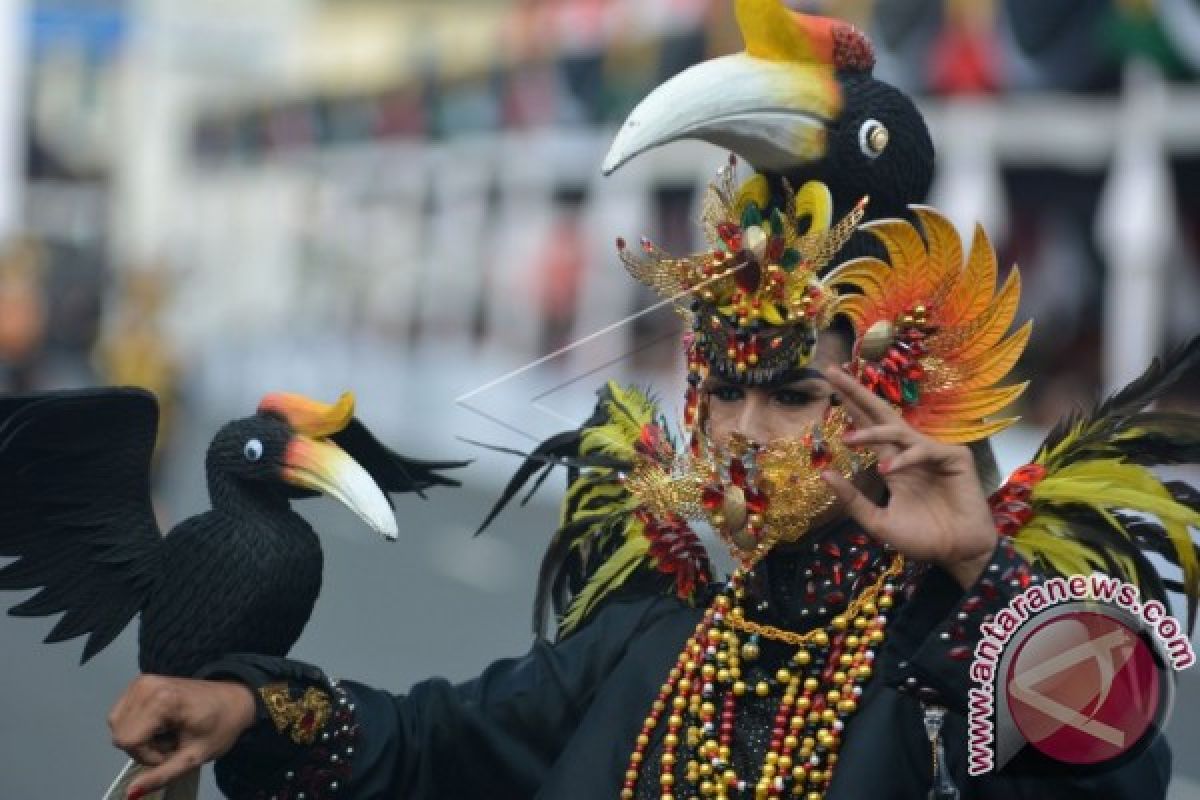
1086,681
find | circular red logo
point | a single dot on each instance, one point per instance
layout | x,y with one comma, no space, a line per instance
1083,687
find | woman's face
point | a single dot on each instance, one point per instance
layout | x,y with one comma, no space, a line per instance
784,411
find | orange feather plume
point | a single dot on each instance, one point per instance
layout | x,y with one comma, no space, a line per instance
932,331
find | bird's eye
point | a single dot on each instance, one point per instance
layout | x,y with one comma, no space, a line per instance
253,450
872,138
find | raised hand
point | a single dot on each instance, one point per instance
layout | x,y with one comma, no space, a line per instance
936,509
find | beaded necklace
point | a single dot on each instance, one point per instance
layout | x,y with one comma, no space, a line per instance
819,691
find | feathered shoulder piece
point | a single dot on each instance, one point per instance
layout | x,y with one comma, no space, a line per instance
1089,500
606,542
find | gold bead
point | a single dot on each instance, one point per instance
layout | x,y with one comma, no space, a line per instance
885,602
739,688
813,796
799,774
870,610
723,676
706,788
631,774
821,639
875,636
749,651
839,677
851,642
666,779
679,703
864,671
762,689
785,763
828,716
802,704
685,686
708,672
772,759
802,658
791,742
809,743
649,723
668,759
723,752
833,695
643,739
635,757
846,659
783,676
810,684
675,721
847,706
860,623
670,739
627,794
796,724
838,622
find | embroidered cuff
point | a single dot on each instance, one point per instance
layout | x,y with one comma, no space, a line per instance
301,745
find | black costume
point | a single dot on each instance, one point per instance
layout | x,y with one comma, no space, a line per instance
559,721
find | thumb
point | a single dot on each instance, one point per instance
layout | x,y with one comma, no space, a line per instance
179,763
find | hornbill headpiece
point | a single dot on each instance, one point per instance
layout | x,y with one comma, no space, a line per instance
827,236
799,102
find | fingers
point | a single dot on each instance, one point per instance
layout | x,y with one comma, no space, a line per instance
865,407
149,707
943,458
898,434
180,762
858,505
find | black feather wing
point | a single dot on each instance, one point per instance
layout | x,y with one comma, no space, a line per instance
392,471
75,508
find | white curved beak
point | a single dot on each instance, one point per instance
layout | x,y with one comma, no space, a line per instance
771,113
322,466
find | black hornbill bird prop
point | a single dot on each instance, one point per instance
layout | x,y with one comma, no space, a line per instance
799,103
76,513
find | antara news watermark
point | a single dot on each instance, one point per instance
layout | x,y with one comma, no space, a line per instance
1084,682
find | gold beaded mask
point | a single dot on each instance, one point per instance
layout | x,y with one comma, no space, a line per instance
755,496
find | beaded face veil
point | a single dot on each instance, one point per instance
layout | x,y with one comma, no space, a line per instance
929,337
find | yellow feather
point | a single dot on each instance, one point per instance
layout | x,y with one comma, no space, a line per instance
619,566
628,409
814,201
770,32
975,286
754,189
975,404
1047,540
906,254
955,432
993,323
945,259
993,365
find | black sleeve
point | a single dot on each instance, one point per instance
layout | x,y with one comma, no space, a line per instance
929,652
494,736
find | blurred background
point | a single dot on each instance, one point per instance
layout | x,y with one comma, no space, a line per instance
215,200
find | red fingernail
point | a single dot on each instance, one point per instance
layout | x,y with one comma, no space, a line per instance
136,793
885,466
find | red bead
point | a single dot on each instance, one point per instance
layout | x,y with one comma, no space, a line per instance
737,473
959,652
712,497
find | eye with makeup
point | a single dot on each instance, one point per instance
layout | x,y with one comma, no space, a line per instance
727,392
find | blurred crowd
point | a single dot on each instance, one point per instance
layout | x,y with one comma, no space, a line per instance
77,308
